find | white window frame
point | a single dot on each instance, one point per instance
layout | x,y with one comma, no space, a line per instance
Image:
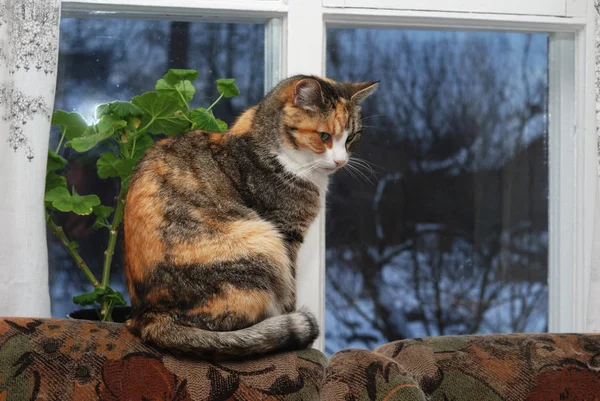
295,43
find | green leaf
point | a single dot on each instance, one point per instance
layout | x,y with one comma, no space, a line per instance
142,143
65,202
184,87
176,75
72,125
108,122
54,180
160,113
102,213
119,109
126,167
206,121
115,297
85,299
98,295
55,161
89,139
133,122
107,165
56,193
89,298
227,87
110,165
222,125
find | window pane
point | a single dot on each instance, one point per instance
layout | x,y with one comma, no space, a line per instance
444,228
102,60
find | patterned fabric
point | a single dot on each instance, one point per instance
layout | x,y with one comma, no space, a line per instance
60,359
470,368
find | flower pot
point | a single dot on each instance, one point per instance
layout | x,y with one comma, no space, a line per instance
120,314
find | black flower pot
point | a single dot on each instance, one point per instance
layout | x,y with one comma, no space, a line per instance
120,314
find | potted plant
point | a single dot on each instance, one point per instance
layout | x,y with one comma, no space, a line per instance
127,129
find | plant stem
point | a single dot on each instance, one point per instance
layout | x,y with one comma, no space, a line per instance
143,130
112,239
184,99
106,305
190,121
62,138
215,102
133,147
72,250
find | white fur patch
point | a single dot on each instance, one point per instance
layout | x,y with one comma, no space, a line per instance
338,151
312,166
304,164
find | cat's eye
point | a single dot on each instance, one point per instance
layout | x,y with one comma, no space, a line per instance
352,136
324,136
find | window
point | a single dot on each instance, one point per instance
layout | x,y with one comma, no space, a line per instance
559,145
440,226
102,60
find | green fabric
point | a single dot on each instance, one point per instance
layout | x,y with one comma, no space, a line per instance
14,357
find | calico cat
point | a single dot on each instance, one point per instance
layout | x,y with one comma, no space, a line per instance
213,222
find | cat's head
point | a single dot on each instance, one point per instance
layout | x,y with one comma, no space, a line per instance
321,123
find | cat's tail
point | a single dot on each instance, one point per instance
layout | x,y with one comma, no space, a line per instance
288,332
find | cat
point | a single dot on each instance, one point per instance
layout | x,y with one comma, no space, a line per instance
213,222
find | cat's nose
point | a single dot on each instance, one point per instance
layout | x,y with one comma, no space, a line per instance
339,163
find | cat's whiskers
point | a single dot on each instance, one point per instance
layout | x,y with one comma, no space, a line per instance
306,169
373,127
355,165
352,174
363,164
372,116
359,172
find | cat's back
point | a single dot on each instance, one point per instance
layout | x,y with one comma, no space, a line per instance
175,184
180,153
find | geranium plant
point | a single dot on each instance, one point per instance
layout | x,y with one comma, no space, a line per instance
127,128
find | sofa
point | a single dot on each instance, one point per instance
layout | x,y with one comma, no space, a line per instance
62,359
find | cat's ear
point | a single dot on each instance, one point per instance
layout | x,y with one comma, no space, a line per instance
362,90
308,94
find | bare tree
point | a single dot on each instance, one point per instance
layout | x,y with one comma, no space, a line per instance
455,230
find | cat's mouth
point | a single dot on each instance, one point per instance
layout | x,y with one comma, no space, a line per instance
329,170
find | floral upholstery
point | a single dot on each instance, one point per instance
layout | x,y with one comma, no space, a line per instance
507,367
60,359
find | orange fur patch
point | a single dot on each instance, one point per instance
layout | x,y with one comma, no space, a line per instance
339,118
253,303
160,167
244,122
184,180
237,240
164,141
144,211
156,296
307,127
286,94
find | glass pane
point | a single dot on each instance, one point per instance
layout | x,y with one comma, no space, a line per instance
114,59
444,228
